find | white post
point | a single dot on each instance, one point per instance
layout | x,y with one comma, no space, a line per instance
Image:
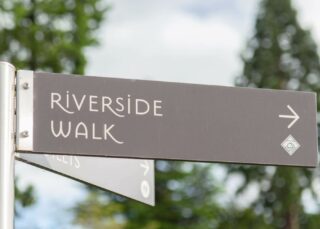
7,92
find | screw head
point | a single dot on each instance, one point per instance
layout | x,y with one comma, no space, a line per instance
25,85
24,134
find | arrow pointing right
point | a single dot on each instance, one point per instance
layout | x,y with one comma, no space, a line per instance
294,116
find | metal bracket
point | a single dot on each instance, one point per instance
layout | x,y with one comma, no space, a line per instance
24,110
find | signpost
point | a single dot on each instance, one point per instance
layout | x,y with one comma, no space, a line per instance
108,117
7,79
128,177
63,119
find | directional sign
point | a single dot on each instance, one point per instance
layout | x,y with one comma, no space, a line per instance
64,114
129,177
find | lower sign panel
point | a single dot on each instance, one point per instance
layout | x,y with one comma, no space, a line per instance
128,177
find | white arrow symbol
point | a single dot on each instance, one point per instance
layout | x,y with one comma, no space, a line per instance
295,116
146,167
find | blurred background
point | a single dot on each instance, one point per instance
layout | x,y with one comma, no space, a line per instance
248,43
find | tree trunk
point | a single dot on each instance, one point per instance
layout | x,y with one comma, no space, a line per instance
292,218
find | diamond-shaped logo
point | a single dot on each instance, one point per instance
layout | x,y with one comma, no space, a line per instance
290,145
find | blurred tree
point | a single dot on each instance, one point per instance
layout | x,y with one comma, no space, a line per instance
185,194
281,55
23,197
48,35
232,218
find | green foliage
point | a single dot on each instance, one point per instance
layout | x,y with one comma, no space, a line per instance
241,219
98,212
23,197
281,55
48,35
185,198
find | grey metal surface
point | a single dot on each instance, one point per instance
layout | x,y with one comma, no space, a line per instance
128,177
7,84
183,122
25,108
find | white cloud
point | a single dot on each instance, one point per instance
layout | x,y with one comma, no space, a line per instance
309,16
167,41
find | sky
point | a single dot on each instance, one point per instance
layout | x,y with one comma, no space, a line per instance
181,41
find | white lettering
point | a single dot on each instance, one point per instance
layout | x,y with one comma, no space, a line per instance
55,99
85,130
67,100
106,102
68,160
146,105
77,162
93,101
121,109
107,133
94,137
78,105
156,106
64,160
59,158
129,104
61,131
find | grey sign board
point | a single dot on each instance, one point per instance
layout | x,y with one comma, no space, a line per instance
129,177
159,120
